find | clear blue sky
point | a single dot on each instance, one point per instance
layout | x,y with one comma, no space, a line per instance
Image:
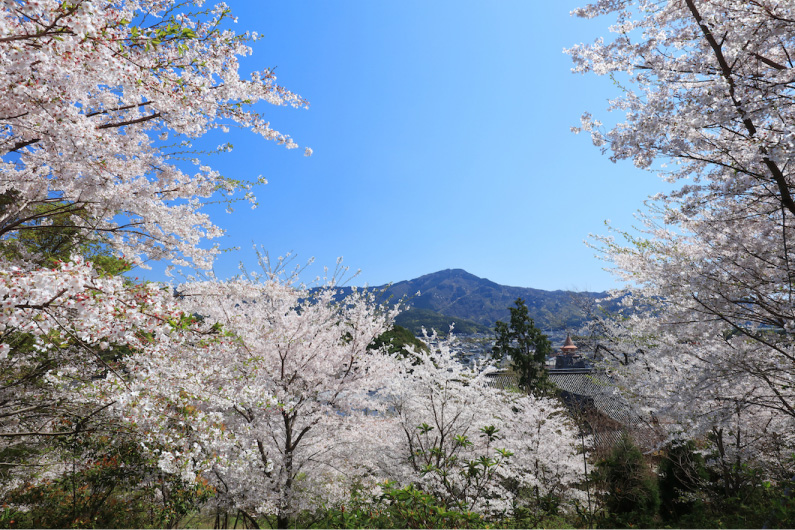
441,138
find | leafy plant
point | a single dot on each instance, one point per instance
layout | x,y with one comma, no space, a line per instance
109,484
399,507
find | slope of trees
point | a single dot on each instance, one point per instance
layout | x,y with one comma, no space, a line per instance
462,297
416,320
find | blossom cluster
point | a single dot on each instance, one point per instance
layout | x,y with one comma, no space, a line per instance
88,89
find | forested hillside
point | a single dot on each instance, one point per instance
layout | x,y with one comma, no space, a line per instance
475,304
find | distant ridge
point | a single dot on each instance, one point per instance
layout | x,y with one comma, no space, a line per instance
475,304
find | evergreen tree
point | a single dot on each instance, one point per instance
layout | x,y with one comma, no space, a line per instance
396,340
527,347
631,495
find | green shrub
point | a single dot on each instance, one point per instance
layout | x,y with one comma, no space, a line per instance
630,495
406,507
111,485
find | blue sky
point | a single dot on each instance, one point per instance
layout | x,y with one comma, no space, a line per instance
441,138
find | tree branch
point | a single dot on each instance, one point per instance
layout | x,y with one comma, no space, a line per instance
726,72
19,145
130,122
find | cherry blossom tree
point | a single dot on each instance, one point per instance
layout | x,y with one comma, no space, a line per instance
285,410
476,447
100,99
713,82
92,91
707,89
63,330
275,410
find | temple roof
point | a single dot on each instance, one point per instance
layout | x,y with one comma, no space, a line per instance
569,344
585,387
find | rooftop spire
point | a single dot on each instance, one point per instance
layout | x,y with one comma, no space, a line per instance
568,346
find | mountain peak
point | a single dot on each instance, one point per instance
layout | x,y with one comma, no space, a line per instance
453,273
460,294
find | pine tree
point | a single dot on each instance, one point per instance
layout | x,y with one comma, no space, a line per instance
527,347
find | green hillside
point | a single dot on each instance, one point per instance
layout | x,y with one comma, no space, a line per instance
414,319
474,304
469,300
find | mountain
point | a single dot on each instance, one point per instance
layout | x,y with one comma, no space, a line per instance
477,303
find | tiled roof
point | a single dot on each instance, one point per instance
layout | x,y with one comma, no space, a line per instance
599,387
503,380
585,387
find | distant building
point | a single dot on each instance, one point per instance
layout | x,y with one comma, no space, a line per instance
568,356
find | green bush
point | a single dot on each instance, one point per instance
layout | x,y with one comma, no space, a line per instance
111,485
406,507
630,494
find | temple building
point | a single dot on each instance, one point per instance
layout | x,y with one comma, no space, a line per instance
568,356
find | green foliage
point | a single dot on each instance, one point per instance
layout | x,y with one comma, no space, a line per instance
781,508
396,340
396,507
736,494
544,513
410,507
527,347
630,495
766,505
415,319
682,476
53,232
